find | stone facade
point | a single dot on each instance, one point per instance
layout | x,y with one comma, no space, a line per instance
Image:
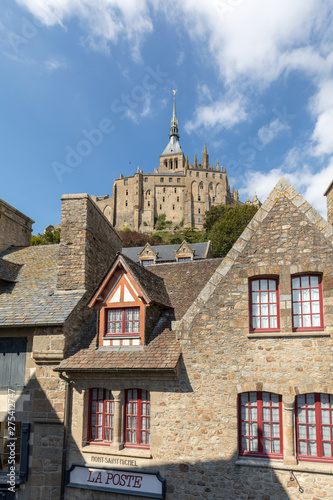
194,412
329,198
15,227
178,189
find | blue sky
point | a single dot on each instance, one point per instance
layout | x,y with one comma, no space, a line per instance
86,94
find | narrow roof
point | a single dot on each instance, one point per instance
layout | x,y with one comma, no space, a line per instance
34,299
166,253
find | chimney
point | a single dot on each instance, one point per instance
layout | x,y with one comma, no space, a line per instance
15,227
329,199
88,244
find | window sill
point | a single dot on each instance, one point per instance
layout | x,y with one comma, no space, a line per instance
124,452
310,467
290,334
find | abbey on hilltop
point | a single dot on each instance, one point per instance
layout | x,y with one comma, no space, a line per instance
181,191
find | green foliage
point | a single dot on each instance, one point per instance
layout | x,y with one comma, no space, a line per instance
47,238
226,224
136,239
161,223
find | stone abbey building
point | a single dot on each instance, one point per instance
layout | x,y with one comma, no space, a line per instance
181,191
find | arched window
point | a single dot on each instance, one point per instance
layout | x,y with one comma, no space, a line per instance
137,418
260,424
101,414
314,426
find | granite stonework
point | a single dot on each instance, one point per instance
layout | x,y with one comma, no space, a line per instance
199,357
15,227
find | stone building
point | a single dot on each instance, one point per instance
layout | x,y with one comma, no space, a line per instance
204,379
15,227
176,188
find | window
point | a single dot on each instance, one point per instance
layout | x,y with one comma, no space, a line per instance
184,259
162,179
101,414
190,175
163,199
199,210
10,434
199,198
146,179
178,180
126,203
147,262
160,207
314,427
123,321
213,176
173,207
148,203
126,192
220,176
12,365
163,190
176,163
307,303
197,174
206,175
175,190
137,418
170,179
264,304
125,181
177,198
260,424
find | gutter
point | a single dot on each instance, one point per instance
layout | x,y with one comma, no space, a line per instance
68,404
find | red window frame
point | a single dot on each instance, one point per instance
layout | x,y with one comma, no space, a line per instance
253,425
310,301
122,322
137,419
317,428
100,416
269,303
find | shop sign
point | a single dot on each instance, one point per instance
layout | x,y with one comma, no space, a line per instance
145,484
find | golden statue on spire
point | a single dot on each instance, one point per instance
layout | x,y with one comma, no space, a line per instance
174,92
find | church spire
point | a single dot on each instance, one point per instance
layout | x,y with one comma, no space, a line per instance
174,121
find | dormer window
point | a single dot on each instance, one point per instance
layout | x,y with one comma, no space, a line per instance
123,321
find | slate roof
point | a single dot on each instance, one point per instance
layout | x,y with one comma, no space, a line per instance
173,147
9,270
33,298
185,280
152,285
183,283
161,353
166,253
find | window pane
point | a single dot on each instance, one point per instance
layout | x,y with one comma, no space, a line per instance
255,285
316,320
254,444
312,432
276,446
327,449
266,398
302,448
118,314
256,310
267,445
253,428
315,294
295,283
272,284
302,431
301,415
253,413
324,399
266,429
275,414
244,398
264,297
255,297
256,322
296,295
273,322
244,428
296,308
253,398
306,294
297,321
263,285
315,307
275,399
312,448
310,400
305,281
311,416
306,308
301,400
266,414
245,443
326,433
272,297
325,416
264,309
272,309
314,281
276,430
264,322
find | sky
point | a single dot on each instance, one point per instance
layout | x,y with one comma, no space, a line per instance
86,94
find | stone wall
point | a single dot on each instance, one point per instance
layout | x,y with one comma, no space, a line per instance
15,227
329,199
88,244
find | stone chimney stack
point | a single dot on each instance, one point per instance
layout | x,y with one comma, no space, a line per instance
88,244
329,199
15,227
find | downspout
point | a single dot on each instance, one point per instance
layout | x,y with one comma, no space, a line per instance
68,401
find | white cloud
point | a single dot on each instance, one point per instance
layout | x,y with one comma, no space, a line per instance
311,185
103,21
268,133
221,114
322,107
53,65
145,111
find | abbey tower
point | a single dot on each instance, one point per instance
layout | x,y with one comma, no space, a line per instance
178,189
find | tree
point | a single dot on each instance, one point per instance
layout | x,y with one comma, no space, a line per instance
136,239
47,238
229,224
